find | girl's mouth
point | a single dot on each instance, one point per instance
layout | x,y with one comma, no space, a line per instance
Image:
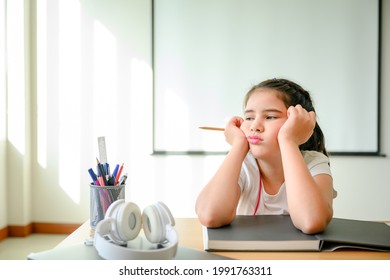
253,139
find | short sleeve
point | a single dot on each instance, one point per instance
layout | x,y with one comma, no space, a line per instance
317,163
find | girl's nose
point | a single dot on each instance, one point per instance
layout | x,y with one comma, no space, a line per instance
256,127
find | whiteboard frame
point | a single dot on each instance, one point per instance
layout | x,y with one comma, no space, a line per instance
376,152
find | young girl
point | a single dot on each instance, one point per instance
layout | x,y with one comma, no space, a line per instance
277,163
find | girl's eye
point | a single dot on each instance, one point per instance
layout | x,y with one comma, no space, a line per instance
271,117
249,118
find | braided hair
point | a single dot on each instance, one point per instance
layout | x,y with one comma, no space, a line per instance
293,94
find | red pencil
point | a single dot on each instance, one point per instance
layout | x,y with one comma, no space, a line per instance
119,174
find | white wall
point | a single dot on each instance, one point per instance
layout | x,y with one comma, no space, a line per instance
361,182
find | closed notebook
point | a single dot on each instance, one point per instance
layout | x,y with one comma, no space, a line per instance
277,233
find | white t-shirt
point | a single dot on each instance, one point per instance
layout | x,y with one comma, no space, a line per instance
249,181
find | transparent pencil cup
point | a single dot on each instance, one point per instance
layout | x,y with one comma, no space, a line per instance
101,198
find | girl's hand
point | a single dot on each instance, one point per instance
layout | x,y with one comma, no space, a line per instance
299,125
234,134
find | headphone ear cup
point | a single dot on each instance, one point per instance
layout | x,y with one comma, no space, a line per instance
153,226
111,213
128,221
113,208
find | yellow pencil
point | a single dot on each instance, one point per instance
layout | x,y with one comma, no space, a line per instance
212,128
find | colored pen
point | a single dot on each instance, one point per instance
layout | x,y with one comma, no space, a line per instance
115,171
106,167
123,179
119,174
92,174
111,181
94,177
100,167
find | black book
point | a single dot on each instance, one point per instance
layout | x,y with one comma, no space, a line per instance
277,233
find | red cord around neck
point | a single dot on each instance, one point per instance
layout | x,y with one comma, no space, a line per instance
258,196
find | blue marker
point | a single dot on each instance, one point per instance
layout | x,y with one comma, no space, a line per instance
115,171
106,169
93,175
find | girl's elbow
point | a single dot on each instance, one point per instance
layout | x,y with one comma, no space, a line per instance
213,220
316,224
314,227
210,222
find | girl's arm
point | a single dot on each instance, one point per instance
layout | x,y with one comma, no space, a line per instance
309,198
217,202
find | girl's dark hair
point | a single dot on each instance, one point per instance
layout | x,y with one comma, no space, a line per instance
293,94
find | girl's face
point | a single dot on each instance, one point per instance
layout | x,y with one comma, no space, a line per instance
264,115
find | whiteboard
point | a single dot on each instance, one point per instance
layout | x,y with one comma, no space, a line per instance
208,53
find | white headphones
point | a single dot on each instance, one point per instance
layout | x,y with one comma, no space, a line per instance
122,223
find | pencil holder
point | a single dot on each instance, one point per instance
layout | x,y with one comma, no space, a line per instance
101,198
